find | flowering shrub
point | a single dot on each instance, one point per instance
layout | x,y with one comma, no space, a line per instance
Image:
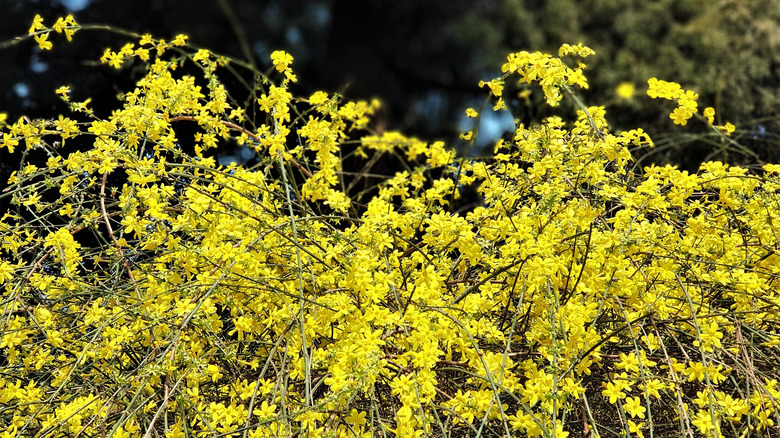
151,292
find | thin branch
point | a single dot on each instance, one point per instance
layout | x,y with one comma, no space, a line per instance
230,14
111,231
242,130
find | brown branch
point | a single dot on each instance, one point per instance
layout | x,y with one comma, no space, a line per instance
26,309
39,262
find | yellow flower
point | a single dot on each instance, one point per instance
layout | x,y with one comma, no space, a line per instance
653,387
613,392
69,26
66,25
471,113
6,272
764,420
66,210
146,39
496,86
67,127
634,407
201,55
636,428
37,25
625,90
576,77
663,89
82,106
680,115
709,113
578,49
43,41
213,371
688,100
319,97
59,26
33,199
180,40
696,371
703,421
711,336
142,53
728,128
356,418
10,142
265,411
63,91
282,61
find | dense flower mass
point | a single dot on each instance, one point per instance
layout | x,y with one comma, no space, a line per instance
147,291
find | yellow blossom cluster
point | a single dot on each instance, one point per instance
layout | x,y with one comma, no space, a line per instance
686,103
282,61
149,291
686,99
40,32
548,71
